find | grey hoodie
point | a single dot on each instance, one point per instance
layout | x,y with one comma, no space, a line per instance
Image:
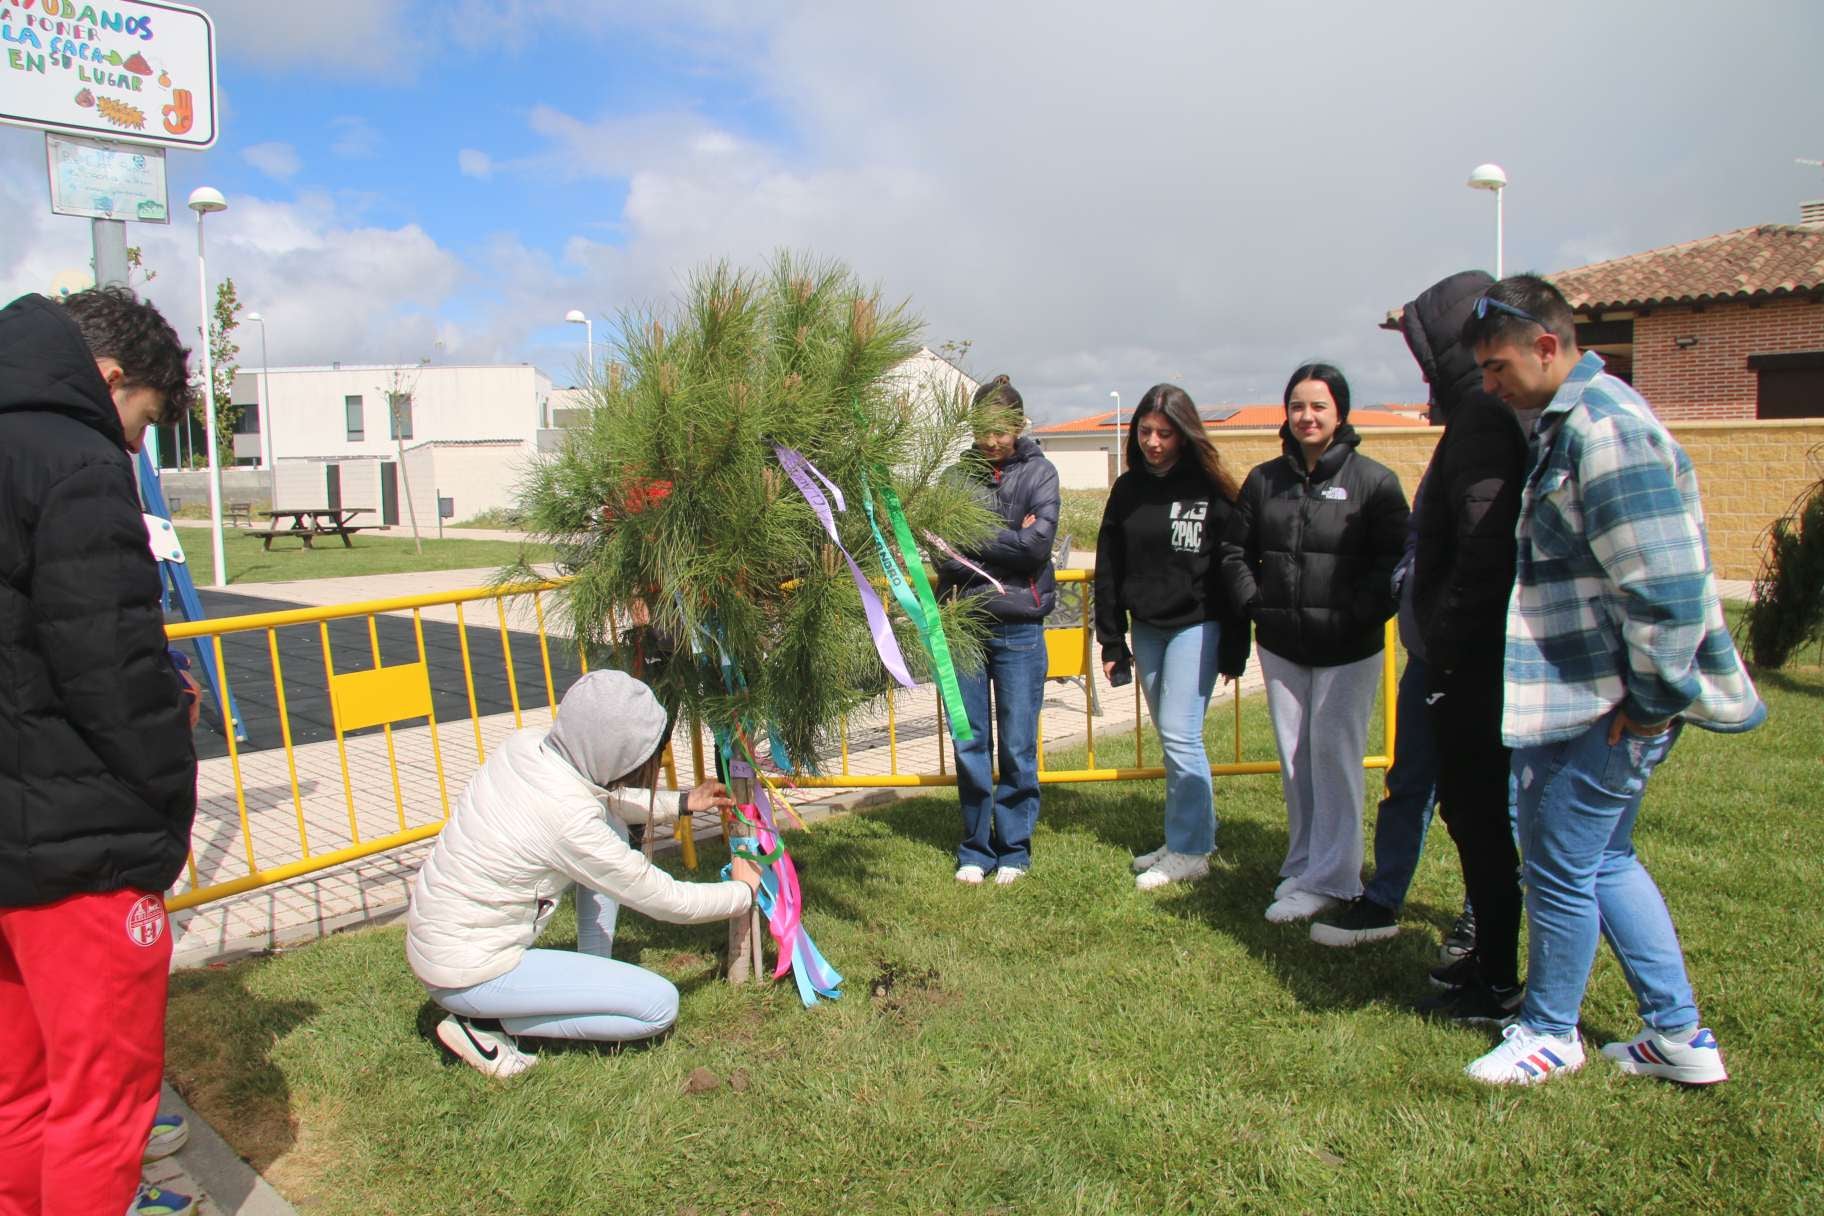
607,725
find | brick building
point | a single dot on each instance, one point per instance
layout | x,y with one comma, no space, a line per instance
1726,327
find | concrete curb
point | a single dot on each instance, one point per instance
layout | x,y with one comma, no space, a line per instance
207,1168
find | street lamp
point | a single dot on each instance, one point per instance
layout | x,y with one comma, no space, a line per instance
1491,177
1117,397
203,200
575,317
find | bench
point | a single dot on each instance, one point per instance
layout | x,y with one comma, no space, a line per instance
239,512
312,522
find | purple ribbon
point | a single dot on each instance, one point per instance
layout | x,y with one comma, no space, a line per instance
801,471
944,547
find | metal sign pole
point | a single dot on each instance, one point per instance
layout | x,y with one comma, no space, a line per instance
110,239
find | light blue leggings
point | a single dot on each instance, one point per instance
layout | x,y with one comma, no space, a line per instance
573,994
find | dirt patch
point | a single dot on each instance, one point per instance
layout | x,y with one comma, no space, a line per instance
902,992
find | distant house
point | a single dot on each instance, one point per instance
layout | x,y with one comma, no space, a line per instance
1729,326
1083,449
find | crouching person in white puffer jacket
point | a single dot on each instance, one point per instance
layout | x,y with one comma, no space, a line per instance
547,811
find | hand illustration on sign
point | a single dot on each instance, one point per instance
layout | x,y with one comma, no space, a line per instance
180,115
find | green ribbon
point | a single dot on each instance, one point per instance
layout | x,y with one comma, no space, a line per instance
921,606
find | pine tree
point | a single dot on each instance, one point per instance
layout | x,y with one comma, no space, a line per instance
1787,610
687,542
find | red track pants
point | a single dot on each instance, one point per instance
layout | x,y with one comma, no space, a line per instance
82,1006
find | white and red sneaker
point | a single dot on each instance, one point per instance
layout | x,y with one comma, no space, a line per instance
1693,1061
1527,1057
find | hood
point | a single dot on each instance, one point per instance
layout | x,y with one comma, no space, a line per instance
46,366
1024,448
1430,324
608,724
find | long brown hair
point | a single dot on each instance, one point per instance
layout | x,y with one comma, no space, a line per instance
1181,412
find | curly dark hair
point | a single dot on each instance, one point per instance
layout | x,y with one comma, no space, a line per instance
120,326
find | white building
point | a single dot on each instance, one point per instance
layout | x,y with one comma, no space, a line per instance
331,436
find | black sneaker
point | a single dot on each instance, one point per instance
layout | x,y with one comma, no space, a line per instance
1476,1004
1360,920
1462,937
1465,970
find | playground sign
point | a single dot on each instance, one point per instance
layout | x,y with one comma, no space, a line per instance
126,70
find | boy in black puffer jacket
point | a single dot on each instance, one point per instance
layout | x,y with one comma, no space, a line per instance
97,769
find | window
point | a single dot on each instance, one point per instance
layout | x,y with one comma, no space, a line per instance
1789,385
356,431
399,415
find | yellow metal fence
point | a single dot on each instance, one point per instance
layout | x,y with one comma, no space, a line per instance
274,815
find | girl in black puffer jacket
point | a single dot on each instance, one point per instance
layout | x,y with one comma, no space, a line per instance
1017,483
1310,554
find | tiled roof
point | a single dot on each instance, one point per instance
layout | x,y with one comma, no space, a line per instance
1768,260
1269,415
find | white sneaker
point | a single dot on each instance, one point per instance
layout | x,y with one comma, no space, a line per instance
1527,1057
1147,861
1298,904
152,1200
972,875
1695,1061
1006,876
1173,867
1286,887
488,1051
170,1132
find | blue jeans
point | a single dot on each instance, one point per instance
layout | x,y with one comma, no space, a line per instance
1578,799
1405,813
998,816
1177,670
580,994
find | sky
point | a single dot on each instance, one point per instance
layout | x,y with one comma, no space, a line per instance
1096,197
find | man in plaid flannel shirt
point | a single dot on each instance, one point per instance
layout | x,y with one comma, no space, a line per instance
1615,639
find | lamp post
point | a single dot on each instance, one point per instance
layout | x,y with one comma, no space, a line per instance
272,464
1117,397
576,317
1491,177
203,200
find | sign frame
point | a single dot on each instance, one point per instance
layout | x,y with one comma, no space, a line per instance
136,71
153,206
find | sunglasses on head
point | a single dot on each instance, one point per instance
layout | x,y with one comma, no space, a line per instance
1485,303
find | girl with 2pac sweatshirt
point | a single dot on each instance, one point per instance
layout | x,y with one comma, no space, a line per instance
1156,578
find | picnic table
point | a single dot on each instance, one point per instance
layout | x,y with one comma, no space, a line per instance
308,523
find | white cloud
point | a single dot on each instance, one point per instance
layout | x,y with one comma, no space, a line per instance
274,159
356,138
473,163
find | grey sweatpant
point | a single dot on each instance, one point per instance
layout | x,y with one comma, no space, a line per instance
1320,724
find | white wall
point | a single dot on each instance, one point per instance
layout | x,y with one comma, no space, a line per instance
308,419
480,477
1083,460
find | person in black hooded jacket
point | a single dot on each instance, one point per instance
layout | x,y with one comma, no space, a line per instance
1156,575
97,768
1310,554
1463,574
1018,484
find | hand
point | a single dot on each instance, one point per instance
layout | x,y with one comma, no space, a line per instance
193,698
1640,730
709,796
1029,521
1108,669
1230,680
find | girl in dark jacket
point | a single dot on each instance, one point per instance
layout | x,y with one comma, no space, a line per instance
1021,486
1156,567
1309,555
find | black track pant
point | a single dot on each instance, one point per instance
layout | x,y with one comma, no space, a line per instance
1465,706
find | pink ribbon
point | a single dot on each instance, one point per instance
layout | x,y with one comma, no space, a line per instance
944,547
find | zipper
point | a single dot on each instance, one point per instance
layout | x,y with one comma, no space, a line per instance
1032,585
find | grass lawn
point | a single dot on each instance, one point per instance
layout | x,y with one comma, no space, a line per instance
1069,1044
248,562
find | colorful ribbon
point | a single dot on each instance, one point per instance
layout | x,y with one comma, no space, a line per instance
781,901
886,645
922,607
948,550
